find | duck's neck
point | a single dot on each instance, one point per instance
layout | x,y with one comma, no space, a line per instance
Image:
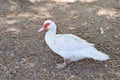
51,32
49,36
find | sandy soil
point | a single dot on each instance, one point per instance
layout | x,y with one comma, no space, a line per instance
24,54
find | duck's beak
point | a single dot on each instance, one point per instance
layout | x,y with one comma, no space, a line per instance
42,29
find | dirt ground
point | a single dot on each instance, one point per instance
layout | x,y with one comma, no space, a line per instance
24,54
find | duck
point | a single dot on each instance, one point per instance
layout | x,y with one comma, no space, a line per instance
71,47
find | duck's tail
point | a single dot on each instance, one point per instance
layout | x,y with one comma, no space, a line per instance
97,55
100,56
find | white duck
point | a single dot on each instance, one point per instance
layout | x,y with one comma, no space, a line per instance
69,46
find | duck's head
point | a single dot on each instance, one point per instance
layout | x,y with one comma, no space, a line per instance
48,24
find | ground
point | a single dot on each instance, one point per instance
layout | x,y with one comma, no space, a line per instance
24,54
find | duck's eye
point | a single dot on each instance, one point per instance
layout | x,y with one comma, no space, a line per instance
46,25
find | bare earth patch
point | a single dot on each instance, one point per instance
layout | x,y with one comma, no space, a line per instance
24,54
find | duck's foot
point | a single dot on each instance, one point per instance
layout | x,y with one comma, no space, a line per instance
60,66
63,65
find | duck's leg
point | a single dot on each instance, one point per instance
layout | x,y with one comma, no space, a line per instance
64,64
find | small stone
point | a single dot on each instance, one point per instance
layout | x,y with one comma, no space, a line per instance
106,65
1,52
90,75
12,55
3,67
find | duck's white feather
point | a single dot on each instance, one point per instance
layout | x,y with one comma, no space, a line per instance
74,48
70,46
68,42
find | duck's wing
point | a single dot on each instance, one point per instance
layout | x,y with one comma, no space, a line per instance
70,42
